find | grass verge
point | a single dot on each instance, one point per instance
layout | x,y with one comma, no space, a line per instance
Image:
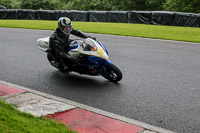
14,121
188,34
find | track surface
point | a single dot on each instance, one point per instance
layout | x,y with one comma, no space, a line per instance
161,83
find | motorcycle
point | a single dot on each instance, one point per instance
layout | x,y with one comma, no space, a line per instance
92,58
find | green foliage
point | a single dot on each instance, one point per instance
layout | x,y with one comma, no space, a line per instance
6,3
15,4
26,4
106,5
87,5
153,5
183,5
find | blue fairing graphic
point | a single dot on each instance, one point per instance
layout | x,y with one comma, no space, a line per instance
98,61
73,47
103,47
94,59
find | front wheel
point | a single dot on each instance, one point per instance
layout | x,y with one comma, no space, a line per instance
112,73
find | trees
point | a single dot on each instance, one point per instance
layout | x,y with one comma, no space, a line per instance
108,5
142,5
37,4
182,5
155,5
5,3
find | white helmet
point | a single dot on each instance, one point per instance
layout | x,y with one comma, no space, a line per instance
65,25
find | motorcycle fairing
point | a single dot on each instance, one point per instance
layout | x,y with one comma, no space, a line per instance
73,45
43,44
97,52
101,44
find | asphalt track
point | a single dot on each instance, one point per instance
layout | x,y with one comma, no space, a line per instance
160,84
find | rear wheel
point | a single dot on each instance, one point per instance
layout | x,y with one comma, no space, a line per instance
113,73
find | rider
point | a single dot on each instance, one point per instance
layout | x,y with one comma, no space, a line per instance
59,41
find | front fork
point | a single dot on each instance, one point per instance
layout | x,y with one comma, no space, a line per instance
103,70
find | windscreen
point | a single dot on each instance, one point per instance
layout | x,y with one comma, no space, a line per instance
89,45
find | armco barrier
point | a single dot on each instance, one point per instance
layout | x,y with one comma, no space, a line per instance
118,16
26,14
45,15
80,15
63,13
8,14
163,18
187,19
98,16
138,17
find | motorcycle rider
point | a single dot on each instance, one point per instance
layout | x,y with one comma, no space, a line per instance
59,41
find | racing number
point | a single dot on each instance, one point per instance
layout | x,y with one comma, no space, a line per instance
100,51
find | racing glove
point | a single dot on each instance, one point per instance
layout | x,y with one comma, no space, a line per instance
94,38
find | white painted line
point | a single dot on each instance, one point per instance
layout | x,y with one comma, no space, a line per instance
147,131
92,109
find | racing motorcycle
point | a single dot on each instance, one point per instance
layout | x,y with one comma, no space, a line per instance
92,58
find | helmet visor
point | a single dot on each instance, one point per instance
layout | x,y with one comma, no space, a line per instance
67,28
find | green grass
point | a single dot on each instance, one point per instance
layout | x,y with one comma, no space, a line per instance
188,34
14,121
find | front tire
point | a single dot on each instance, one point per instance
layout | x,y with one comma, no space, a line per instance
113,73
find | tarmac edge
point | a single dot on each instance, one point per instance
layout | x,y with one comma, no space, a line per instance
148,128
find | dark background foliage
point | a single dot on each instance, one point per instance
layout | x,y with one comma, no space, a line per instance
106,5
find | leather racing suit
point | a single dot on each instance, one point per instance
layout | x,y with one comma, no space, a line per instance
58,44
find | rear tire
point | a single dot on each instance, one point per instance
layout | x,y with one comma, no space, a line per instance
114,74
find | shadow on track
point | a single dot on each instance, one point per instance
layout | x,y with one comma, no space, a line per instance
74,80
